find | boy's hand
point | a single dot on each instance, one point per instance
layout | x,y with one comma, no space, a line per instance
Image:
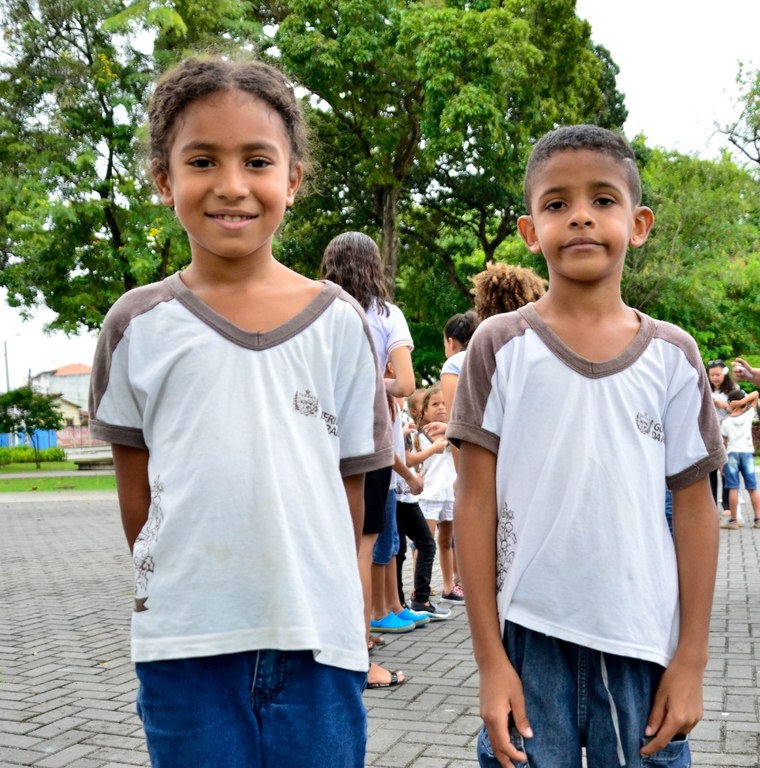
501,694
677,706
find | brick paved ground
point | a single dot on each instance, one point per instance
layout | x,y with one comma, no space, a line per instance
67,687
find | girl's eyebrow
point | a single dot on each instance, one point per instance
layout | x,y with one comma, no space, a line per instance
208,146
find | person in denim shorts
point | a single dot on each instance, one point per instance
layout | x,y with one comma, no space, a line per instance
245,407
589,620
736,429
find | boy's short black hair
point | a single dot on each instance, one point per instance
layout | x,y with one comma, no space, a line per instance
577,137
737,394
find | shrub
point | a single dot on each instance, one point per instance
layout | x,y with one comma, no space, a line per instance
24,454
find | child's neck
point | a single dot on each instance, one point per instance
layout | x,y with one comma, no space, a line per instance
596,326
257,298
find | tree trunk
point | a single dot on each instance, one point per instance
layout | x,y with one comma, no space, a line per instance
386,201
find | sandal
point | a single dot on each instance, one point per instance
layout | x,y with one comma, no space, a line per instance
397,678
377,640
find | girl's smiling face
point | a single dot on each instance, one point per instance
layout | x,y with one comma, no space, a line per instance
230,177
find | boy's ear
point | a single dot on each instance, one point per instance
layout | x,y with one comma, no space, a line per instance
296,176
528,233
643,219
163,183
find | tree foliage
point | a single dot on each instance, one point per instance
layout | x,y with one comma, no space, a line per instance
744,132
26,412
423,115
701,266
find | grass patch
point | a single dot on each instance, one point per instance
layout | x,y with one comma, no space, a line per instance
43,483
45,466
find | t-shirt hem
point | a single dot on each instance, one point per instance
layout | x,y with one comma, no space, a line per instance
129,436
359,465
172,648
698,470
459,432
604,645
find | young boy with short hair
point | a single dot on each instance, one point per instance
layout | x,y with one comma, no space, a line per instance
589,622
736,429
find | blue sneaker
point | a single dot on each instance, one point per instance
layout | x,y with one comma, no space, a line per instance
418,618
391,623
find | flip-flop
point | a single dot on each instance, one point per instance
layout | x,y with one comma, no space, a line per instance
371,645
394,681
377,640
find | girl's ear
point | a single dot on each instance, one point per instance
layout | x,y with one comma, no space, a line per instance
294,182
163,183
643,219
528,233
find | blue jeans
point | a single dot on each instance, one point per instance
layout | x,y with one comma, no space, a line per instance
577,697
387,541
259,709
741,464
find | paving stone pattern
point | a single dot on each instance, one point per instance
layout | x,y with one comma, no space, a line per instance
67,687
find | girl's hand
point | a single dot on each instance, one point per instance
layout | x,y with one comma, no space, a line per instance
440,444
434,429
409,428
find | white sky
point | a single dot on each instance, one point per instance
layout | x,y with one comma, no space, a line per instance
678,64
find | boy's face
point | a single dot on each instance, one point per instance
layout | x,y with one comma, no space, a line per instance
583,218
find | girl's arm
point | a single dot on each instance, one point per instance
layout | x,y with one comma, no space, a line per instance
133,488
413,480
403,384
415,458
354,485
449,383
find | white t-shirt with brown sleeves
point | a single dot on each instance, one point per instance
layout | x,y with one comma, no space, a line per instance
249,542
583,449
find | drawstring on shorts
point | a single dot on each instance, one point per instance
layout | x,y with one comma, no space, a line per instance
613,713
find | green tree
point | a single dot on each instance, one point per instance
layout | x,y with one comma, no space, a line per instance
26,412
430,108
744,132
80,222
701,266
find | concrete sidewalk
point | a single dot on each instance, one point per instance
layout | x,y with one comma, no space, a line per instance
67,687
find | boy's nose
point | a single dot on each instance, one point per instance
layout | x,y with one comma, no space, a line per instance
581,216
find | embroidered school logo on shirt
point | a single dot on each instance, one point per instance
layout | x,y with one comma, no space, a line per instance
648,426
306,403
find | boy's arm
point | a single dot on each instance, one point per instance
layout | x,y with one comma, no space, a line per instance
678,703
475,522
354,485
133,488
